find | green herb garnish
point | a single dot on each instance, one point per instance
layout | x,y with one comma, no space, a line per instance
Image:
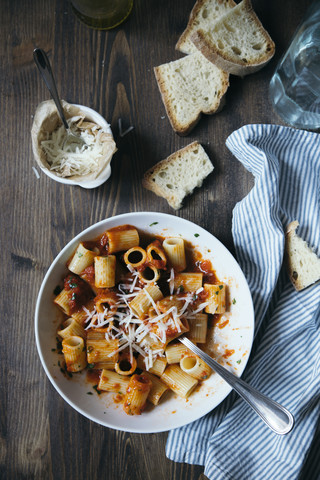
57,290
96,389
154,223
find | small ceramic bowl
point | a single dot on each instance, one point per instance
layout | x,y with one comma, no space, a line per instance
86,182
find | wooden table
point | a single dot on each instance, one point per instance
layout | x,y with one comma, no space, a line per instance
42,437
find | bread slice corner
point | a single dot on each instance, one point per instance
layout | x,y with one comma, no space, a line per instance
203,15
303,264
237,42
190,86
178,175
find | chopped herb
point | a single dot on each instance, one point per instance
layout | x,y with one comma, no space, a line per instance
96,389
73,296
57,290
221,287
154,223
90,349
239,361
89,393
180,289
73,285
80,254
196,234
90,365
217,292
53,349
234,301
59,345
194,298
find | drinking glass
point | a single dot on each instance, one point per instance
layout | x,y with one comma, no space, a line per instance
102,14
295,86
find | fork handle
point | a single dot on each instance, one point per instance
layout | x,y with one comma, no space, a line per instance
278,418
43,64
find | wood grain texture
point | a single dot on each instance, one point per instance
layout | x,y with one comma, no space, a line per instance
42,437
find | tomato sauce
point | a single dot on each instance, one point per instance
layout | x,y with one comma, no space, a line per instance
80,292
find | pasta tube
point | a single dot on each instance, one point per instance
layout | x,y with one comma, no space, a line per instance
74,353
135,257
158,388
81,259
188,282
157,368
99,349
156,255
72,328
63,301
194,366
126,365
149,274
122,238
105,271
216,298
137,393
168,302
175,251
81,316
106,302
113,382
198,328
145,299
179,381
175,351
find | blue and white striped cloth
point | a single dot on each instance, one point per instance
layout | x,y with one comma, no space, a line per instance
232,442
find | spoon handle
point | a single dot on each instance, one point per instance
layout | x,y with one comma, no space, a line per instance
43,64
278,418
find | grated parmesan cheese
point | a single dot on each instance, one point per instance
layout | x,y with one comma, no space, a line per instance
67,157
135,333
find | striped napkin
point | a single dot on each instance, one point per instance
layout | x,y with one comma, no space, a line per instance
232,442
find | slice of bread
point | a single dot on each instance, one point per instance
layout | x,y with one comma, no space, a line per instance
237,42
189,86
179,174
203,15
302,263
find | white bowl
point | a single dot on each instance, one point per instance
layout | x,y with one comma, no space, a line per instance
173,412
105,173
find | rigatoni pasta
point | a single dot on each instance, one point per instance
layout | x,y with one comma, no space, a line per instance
124,326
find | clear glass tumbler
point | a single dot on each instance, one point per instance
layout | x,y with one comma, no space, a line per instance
102,14
295,86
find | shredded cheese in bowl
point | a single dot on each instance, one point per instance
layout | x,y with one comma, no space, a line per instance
60,156
67,158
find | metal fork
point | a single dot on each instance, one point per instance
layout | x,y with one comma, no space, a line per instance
278,418
43,64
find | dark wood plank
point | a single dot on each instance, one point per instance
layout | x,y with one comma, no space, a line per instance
40,435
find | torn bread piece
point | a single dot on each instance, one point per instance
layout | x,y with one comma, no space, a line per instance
202,17
179,174
190,86
303,264
237,42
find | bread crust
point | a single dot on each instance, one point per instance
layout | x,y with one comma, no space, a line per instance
180,129
186,34
152,185
222,60
293,257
